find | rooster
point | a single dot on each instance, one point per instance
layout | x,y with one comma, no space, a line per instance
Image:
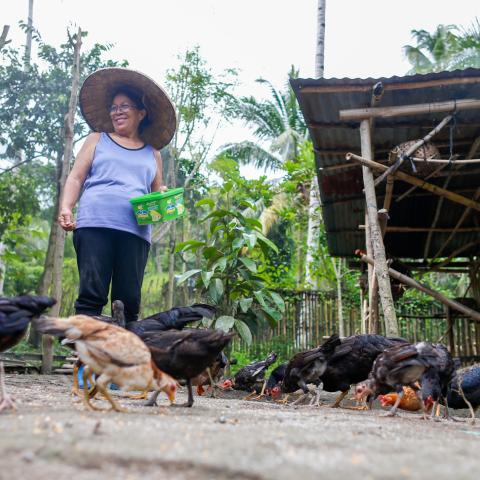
274,383
113,354
251,378
185,354
15,316
399,366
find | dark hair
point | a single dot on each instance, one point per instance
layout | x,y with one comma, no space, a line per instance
136,99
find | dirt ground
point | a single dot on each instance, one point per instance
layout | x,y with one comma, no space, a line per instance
51,437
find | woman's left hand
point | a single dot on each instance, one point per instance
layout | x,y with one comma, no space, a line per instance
163,188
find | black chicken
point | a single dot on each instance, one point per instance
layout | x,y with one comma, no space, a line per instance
274,382
15,315
469,379
251,378
435,381
211,375
185,354
352,361
175,318
403,364
307,367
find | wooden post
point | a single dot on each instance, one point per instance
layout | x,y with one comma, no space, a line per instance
59,237
380,262
372,299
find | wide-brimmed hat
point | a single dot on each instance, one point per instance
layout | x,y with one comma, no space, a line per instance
98,89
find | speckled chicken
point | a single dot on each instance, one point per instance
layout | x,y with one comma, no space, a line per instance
185,354
112,353
399,366
15,316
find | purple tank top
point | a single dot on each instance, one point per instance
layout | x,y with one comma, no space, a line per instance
116,175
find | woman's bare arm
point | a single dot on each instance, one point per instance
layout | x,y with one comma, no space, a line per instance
75,182
157,184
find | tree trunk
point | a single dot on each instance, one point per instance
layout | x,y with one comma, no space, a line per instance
57,234
338,276
3,36
28,44
320,50
2,267
312,234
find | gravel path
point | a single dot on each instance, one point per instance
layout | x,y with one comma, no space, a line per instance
51,437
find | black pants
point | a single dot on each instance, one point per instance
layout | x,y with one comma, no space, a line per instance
105,256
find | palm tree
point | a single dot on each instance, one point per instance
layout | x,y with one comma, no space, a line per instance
448,48
276,121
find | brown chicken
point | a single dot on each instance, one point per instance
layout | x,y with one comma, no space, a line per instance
409,401
113,354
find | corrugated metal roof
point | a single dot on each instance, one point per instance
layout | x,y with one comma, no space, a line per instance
341,184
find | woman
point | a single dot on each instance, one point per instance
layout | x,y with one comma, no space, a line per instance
132,118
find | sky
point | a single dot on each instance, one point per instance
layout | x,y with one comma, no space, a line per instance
261,38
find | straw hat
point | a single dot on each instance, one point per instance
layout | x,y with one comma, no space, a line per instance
97,91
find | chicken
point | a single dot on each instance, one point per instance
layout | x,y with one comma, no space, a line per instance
273,387
15,316
307,367
409,401
176,318
113,354
251,378
185,354
435,381
211,375
117,318
468,380
398,366
352,361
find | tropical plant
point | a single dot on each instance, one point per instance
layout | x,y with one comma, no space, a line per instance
232,259
447,48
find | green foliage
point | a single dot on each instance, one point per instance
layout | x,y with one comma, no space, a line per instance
232,261
447,48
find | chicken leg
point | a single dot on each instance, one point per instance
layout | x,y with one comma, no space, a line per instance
86,393
262,392
393,410
189,402
339,399
6,401
103,390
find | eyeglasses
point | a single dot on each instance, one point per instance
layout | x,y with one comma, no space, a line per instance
124,107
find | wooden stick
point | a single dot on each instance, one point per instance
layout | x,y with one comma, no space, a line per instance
381,268
412,149
457,252
473,150
426,229
405,110
410,190
423,288
448,162
454,197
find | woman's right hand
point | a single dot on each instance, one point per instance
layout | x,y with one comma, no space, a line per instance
66,220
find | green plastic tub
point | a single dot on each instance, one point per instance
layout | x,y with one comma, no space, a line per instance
158,207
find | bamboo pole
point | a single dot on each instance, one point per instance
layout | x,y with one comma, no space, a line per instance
381,268
471,161
406,110
423,288
454,197
412,149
